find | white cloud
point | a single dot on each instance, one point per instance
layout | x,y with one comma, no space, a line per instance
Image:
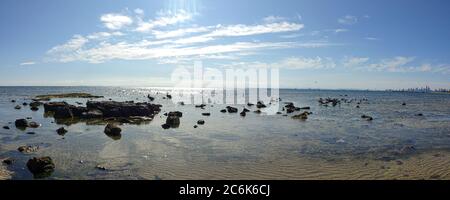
272,19
104,35
73,44
306,63
115,21
164,19
348,20
179,32
245,30
355,61
139,11
372,38
340,30
27,63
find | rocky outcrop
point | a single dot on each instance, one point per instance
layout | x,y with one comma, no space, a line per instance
61,131
232,109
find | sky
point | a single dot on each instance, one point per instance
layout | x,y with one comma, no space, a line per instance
326,44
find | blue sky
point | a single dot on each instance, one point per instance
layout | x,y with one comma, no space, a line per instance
332,44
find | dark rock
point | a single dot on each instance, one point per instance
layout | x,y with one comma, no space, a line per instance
24,104
169,96
250,104
165,126
41,167
243,113
34,108
303,116
31,133
61,131
6,127
91,114
112,130
257,111
8,161
21,123
101,167
403,104
420,115
63,113
54,106
223,111
176,113
305,108
206,114
279,113
124,109
368,118
232,109
17,107
150,98
13,101
173,119
195,126
260,105
246,110
201,122
202,106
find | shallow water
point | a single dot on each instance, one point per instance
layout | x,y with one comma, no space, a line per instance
334,143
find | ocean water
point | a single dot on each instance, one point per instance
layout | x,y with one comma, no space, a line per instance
334,143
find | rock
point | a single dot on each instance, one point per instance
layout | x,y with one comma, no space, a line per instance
41,167
63,113
165,126
201,122
257,111
357,106
17,107
243,113
13,101
232,109
305,108
24,104
169,96
368,118
34,125
250,104
246,110
91,114
112,130
176,113
173,120
21,123
31,133
399,162
403,104
195,126
33,108
260,105
223,111
407,149
6,127
150,98
54,106
61,131
303,116
27,149
206,114
420,115
182,104
36,104
279,113
8,161
124,109
202,106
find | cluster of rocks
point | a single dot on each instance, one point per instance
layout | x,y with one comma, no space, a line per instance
333,101
290,108
23,124
125,112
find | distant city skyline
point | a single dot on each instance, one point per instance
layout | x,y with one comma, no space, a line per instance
320,44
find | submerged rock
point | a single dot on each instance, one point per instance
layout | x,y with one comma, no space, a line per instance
41,167
206,114
202,106
223,111
201,122
303,116
6,127
17,107
173,120
250,104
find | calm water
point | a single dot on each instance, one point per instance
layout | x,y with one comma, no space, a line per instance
334,143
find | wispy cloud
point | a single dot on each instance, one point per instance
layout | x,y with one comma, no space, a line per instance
348,20
165,18
27,63
115,21
354,61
